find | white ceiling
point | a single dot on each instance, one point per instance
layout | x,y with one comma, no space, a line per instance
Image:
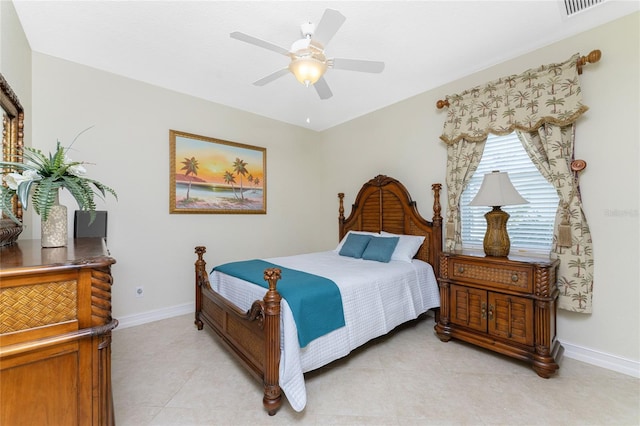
185,46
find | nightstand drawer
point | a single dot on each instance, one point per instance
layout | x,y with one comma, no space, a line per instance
508,277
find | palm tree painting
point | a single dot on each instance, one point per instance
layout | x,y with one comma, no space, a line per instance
208,175
230,179
240,167
191,168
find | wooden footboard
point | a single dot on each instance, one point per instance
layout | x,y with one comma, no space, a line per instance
252,336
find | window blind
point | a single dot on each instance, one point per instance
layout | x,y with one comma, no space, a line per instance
530,226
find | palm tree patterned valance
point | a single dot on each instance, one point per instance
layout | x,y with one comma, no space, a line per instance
548,94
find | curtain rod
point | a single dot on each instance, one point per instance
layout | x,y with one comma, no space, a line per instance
593,57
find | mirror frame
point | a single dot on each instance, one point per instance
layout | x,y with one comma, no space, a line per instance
12,146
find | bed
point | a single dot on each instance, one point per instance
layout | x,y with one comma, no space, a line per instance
256,323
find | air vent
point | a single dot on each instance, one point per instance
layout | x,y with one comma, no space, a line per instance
571,7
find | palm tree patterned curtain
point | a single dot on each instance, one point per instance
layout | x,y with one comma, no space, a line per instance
463,158
551,150
541,104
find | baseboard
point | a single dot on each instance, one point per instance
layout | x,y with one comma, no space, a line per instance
602,359
580,353
156,315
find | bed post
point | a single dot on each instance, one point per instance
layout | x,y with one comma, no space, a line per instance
272,399
437,228
201,266
341,216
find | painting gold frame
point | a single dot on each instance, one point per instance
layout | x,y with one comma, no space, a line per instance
209,175
12,146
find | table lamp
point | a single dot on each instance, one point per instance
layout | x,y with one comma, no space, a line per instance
496,191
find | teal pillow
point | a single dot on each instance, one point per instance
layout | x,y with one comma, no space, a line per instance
354,245
380,249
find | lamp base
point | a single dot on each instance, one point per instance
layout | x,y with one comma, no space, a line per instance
496,240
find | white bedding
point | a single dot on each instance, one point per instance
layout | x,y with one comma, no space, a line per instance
376,298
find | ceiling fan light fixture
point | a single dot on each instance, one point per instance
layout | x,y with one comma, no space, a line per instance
308,62
307,69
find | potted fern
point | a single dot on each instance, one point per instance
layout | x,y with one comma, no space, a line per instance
41,177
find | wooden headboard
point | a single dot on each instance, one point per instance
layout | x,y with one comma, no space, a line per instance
384,204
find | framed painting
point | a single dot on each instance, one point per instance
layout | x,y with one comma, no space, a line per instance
210,175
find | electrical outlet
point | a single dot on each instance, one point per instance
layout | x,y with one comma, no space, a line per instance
139,291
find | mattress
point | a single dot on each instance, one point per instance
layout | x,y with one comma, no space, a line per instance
376,296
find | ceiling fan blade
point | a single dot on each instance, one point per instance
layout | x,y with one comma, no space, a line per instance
257,42
322,88
357,65
271,77
328,26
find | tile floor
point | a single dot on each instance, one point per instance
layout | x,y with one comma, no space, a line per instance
168,373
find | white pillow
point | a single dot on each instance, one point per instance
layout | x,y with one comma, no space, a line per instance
337,249
407,247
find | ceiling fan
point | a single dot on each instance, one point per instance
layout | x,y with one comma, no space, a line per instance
308,60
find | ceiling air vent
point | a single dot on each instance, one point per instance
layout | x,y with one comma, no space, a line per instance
571,7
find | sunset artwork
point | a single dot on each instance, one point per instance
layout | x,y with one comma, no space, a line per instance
215,176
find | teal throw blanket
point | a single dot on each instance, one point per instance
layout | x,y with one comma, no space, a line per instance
315,301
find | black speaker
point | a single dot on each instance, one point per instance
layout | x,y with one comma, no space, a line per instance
82,229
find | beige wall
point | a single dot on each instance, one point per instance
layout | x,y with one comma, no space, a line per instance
130,148
15,54
402,141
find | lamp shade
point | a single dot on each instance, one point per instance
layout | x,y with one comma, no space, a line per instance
497,190
307,69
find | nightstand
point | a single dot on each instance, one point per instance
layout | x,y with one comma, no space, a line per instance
505,304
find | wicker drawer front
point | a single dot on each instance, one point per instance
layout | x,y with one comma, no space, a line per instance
31,306
497,276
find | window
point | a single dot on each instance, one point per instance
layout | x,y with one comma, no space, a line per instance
530,226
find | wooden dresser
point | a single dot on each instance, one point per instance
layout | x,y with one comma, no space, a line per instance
504,304
55,334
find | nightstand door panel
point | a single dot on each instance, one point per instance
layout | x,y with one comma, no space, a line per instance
511,317
469,307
